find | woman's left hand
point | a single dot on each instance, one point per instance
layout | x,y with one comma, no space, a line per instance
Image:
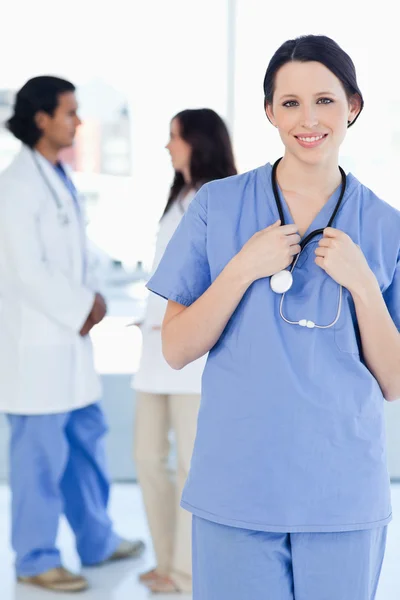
342,259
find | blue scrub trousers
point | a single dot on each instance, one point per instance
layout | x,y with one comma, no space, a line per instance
239,564
57,465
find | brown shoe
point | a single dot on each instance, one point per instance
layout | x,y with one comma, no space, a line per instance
58,580
128,549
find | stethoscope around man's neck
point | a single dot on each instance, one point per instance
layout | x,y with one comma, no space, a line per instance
63,217
282,281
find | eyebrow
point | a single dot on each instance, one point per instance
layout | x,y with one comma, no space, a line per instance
295,96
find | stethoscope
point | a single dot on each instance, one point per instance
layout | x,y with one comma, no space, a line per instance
282,281
63,217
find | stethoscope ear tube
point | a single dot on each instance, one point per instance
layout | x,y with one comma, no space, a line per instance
276,191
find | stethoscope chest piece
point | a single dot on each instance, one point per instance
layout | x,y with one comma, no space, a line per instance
281,282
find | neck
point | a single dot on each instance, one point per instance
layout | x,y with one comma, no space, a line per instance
186,177
47,150
318,180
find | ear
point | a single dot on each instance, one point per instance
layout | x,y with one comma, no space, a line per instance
270,114
41,119
354,108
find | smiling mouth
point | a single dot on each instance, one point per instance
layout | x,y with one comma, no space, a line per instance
311,139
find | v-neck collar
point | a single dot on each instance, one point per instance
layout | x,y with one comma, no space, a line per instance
321,220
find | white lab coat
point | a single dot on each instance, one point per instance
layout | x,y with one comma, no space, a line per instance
154,375
45,365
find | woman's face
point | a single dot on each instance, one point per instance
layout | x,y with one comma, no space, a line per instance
178,148
311,111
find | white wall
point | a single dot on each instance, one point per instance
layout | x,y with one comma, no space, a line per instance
167,55
370,35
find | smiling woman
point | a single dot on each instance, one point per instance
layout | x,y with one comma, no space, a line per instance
290,442
312,102
312,119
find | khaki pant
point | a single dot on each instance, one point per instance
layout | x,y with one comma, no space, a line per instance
170,526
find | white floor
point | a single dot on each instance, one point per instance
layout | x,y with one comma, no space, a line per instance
119,581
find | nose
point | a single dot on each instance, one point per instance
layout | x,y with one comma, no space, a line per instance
309,117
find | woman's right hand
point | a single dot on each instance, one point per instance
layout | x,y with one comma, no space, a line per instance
269,250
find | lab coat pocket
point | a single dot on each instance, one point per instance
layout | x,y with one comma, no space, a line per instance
37,329
347,336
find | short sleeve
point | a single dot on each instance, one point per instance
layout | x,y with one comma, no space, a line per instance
392,297
183,273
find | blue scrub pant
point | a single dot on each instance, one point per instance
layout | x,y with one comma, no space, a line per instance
240,564
57,465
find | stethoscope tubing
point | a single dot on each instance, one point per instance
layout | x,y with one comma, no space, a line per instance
278,202
306,322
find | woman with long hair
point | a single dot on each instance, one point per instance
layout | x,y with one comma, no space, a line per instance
167,400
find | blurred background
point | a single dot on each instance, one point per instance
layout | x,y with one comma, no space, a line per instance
136,64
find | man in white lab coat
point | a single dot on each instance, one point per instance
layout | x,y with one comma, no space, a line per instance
48,386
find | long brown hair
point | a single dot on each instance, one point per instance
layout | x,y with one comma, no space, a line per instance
212,154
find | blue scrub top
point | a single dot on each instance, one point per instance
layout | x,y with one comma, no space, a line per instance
291,433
